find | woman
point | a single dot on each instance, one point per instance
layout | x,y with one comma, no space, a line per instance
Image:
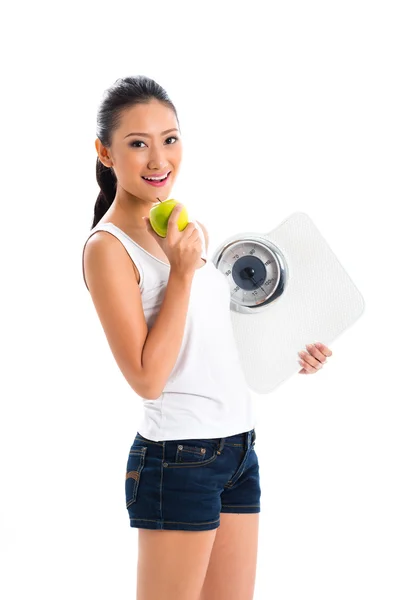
192,476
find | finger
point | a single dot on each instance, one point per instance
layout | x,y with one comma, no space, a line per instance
194,234
173,217
310,359
190,232
324,349
172,224
316,353
307,367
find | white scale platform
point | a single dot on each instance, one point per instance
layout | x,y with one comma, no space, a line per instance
288,289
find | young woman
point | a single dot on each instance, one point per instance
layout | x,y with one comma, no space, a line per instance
192,477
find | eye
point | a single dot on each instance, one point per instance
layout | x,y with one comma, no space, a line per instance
132,144
137,142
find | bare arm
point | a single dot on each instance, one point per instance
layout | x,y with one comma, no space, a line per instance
164,341
110,278
145,358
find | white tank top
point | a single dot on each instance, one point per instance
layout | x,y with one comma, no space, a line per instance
206,395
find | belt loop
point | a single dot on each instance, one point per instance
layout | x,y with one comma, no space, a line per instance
221,445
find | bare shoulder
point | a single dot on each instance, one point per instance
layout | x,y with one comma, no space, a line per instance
103,250
108,274
205,233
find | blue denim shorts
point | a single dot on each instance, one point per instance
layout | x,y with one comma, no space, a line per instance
186,484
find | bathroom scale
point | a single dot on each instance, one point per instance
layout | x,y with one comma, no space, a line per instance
287,289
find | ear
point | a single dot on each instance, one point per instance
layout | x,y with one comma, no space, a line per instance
205,233
102,153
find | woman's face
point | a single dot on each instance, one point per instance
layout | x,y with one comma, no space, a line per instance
152,152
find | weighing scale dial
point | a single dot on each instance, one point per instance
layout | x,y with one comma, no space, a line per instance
256,271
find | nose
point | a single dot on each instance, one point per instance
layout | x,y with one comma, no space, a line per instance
159,166
157,160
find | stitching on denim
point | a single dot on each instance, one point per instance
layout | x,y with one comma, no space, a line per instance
162,480
242,467
177,522
162,443
135,474
240,506
186,464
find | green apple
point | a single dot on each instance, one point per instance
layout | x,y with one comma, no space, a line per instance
160,213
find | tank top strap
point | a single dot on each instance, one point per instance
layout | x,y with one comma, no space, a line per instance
128,244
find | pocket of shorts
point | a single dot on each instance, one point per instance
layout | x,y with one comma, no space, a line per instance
188,454
134,468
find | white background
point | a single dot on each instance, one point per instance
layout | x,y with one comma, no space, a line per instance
283,106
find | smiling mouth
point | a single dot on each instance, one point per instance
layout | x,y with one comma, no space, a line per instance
157,179
157,182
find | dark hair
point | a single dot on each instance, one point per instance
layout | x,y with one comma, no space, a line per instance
123,94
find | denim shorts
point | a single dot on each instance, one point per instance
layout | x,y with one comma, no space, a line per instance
186,484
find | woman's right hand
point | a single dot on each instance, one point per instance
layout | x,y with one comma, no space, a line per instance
182,248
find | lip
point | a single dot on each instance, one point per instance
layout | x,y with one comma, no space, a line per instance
157,174
157,183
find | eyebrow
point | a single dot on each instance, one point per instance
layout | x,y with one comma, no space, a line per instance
147,135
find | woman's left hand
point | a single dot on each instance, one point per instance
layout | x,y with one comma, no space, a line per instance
315,359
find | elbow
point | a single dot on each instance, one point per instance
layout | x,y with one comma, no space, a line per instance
151,394
152,388
148,391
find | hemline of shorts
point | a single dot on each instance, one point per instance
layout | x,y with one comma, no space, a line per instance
203,526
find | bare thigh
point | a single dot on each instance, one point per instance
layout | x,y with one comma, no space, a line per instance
172,564
231,572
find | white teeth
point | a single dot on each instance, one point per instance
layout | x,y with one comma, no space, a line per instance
156,178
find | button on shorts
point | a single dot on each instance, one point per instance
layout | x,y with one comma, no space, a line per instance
186,484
